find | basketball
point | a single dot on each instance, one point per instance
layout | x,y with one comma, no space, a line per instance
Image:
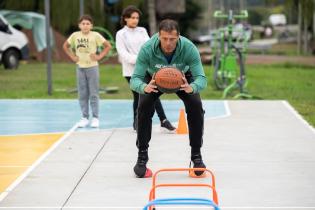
168,79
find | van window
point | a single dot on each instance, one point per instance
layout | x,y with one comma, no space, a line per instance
4,27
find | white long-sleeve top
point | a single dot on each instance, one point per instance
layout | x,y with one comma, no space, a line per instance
128,44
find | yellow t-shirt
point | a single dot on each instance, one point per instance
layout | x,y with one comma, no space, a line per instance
84,45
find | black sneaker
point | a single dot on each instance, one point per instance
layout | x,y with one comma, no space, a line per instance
167,125
140,168
197,163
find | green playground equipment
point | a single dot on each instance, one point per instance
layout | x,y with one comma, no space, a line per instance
229,48
108,36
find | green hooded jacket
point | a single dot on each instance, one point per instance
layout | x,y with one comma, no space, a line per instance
151,58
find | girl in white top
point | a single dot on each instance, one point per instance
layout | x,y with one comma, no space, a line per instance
129,41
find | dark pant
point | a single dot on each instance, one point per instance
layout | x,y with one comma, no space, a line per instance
157,106
195,118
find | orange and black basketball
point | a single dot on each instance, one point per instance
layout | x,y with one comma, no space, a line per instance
168,79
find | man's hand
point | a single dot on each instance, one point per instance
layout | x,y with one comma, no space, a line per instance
74,58
98,57
66,48
95,57
186,87
151,87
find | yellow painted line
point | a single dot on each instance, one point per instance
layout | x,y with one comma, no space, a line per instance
17,153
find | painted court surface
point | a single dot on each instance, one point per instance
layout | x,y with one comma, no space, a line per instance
261,152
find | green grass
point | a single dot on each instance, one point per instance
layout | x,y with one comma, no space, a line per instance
286,82
294,83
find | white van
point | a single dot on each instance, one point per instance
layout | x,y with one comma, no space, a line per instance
13,45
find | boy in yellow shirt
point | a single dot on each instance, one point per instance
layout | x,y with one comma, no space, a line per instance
82,47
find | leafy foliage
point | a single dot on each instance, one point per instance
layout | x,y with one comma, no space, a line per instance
64,15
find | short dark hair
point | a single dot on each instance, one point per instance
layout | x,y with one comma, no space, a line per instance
85,17
168,25
127,12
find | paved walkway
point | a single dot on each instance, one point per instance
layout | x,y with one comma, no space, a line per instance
262,155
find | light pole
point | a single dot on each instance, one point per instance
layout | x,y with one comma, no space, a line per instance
48,49
81,8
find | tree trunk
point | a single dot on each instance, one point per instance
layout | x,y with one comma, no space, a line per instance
152,17
220,20
299,28
81,8
313,19
222,6
305,36
242,5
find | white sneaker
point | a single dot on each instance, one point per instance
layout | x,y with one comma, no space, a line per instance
83,122
95,123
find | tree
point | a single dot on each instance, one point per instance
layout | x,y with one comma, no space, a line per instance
61,19
187,14
152,16
305,16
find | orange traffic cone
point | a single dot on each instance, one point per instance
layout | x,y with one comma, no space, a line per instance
182,123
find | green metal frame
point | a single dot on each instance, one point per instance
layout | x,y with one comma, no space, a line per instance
108,36
229,56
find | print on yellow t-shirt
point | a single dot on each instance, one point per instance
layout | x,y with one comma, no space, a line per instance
84,45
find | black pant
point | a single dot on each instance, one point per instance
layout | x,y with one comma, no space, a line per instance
195,118
157,106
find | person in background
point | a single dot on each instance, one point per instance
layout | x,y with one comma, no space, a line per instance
82,47
129,40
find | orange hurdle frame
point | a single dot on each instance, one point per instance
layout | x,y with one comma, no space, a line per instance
189,170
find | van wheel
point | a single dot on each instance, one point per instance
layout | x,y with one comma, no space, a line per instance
11,59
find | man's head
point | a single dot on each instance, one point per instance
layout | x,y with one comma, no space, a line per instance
168,35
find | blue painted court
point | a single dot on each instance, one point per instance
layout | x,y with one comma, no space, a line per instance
50,116
261,153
